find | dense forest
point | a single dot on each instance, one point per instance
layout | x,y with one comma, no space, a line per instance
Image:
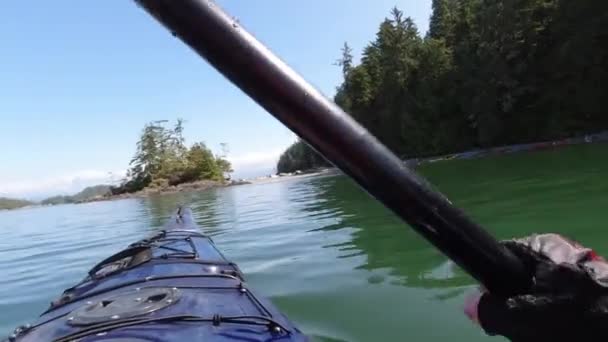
162,159
487,73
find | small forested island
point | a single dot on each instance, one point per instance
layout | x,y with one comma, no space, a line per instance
486,74
163,162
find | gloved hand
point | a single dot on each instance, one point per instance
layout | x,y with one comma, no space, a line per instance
568,300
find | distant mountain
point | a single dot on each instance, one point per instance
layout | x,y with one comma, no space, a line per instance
84,195
13,203
57,200
91,192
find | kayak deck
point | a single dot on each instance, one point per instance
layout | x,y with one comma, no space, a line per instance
173,286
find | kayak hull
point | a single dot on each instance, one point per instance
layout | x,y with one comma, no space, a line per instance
173,286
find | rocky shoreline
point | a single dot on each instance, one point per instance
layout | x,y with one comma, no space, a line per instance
208,184
601,137
204,185
201,185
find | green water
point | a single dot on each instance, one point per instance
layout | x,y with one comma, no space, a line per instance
336,262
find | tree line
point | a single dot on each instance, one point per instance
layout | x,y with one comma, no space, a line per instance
487,73
162,159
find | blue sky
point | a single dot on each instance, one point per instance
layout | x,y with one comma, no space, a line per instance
79,79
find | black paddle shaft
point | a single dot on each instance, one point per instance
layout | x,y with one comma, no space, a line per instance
223,42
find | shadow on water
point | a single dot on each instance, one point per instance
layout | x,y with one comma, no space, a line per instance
561,190
558,190
380,236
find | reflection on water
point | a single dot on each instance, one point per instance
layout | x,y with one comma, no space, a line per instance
384,239
334,260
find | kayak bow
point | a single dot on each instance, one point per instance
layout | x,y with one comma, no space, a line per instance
173,286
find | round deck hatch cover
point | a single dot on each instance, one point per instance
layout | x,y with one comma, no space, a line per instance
125,305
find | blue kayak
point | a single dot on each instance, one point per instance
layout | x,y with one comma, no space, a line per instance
173,286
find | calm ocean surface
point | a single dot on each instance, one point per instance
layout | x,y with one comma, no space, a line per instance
335,261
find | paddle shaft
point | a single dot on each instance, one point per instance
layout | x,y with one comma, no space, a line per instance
246,62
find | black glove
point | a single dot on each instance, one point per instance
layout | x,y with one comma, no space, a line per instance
568,300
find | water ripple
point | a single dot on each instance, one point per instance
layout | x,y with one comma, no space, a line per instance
333,259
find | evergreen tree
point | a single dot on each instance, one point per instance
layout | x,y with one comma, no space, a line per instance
162,159
488,73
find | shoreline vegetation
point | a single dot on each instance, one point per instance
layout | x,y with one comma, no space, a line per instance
162,163
478,79
103,192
